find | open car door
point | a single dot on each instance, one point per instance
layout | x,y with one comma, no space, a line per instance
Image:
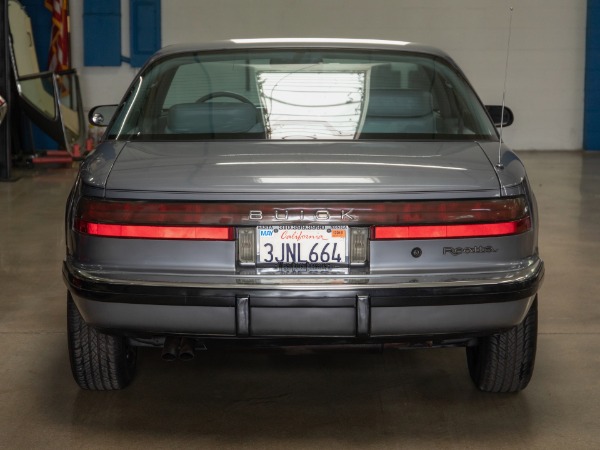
51,100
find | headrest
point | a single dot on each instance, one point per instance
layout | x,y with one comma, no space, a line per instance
399,103
211,117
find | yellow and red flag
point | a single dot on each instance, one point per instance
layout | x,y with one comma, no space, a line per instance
59,56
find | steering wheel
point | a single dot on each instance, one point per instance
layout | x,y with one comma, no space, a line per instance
228,94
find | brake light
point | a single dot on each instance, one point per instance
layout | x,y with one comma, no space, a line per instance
145,220
459,219
428,219
155,232
452,231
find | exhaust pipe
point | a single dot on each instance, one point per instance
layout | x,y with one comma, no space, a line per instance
171,348
186,349
182,348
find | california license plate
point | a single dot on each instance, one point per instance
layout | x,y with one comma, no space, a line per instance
311,246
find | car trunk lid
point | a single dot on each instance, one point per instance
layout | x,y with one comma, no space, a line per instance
301,170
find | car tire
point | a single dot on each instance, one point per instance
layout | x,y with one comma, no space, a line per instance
99,361
504,362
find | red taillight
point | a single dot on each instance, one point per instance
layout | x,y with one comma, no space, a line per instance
431,219
452,231
155,232
146,220
458,219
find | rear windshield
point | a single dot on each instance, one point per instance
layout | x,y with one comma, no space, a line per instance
302,94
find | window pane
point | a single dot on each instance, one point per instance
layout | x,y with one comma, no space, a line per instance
302,94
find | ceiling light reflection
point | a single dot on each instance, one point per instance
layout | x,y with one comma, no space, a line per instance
335,163
318,40
316,180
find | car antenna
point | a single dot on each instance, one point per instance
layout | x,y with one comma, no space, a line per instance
500,166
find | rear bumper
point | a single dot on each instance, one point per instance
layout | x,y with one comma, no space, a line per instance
367,307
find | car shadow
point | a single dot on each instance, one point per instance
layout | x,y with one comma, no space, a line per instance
349,395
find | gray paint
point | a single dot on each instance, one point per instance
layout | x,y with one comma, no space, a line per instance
208,320
96,167
310,172
241,44
394,256
155,255
328,285
303,321
319,169
324,322
207,257
390,321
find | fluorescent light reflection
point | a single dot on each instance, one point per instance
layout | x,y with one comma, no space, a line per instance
335,163
312,105
318,41
316,180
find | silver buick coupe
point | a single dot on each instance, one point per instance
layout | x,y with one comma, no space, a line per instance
301,192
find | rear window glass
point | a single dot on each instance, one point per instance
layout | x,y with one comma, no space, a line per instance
302,94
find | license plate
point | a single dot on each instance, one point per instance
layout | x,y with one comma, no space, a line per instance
311,246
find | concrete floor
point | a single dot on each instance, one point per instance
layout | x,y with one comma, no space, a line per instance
303,399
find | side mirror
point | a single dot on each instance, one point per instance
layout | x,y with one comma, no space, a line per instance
101,115
3,109
495,112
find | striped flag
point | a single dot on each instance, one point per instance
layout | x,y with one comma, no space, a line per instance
59,56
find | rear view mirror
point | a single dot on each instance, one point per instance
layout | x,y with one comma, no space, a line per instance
100,116
495,112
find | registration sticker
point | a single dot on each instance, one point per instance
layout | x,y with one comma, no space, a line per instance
304,245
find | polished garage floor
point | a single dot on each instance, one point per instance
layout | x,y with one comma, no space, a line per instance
303,398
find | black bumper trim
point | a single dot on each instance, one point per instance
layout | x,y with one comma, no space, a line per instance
363,315
242,316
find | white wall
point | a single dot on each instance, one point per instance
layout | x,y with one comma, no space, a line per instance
546,65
